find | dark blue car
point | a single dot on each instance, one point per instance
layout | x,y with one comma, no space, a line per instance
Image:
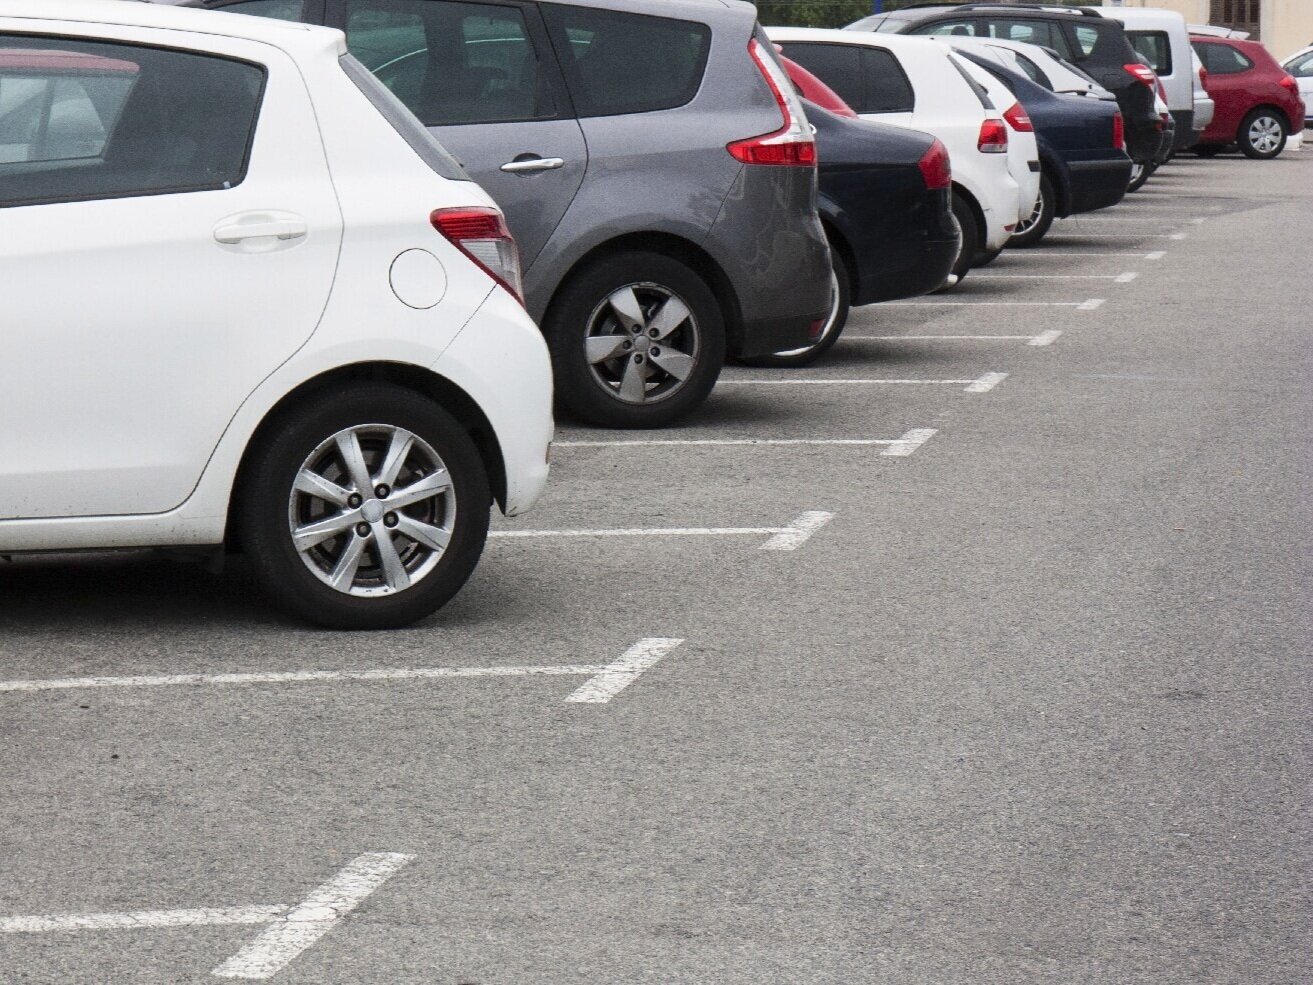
1082,154
884,202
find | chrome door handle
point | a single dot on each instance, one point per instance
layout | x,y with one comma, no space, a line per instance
533,164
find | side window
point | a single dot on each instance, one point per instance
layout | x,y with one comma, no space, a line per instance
1154,47
1301,68
959,29
451,63
885,88
84,120
1222,59
1031,32
1086,39
837,65
282,10
618,63
1032,71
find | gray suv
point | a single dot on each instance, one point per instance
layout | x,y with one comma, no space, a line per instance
653,163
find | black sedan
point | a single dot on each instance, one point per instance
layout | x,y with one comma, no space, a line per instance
884,202
1083,162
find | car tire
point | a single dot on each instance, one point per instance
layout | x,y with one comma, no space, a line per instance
971,239
840,305
278,494
1208,150
985,257
1262,135
1034,229
1140,173
600,382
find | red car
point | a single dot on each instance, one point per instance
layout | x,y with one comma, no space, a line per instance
1257,101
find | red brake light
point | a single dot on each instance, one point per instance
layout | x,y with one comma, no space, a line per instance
936,168
482,235
1017,118
1289,84
1203,77
1118,131
993,137
1142,73
792,143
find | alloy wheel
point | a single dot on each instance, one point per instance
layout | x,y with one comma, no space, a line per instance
372,510
1036,214
643,343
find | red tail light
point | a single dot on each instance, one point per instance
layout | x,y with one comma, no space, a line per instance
936,168
1118,131
792,143
1142,73
481,234
1203,77
1289,84
993,137
1017,118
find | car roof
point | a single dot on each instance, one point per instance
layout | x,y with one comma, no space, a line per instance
170,17
894,42
1146,16
925,11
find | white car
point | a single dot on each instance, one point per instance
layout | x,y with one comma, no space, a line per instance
248,300
1162,39
1300,66
1204,107
916,83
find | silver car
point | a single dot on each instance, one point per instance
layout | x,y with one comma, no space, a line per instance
654,164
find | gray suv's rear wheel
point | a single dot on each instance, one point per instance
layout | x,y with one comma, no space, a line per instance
637,341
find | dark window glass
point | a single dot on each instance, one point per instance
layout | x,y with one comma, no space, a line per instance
1154,47
958,29
84,120
627,63
837,65
283,10
885,88
451,63
1301,68
1222,59
1086,39
1031,32
1033,71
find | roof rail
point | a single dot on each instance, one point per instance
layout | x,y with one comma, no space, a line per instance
1045,7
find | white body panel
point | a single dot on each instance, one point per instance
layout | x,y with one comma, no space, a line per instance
1023,148
1204,107
947,108
1179,82
368,204
1300,65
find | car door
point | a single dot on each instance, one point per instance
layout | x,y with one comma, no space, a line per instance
1301,68
1227,68
168,234
483,78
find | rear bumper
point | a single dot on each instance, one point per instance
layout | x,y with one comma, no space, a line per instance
1098,184
930,266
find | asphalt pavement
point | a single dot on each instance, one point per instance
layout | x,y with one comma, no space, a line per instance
978,652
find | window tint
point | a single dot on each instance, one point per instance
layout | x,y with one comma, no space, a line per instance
451,63
283,10
83,120
1301,68
627,63
1222,59
837,65
885,88
1086,39
1033,71
1031,32
960,29
1154,47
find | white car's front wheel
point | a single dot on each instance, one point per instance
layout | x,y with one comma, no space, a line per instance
365,508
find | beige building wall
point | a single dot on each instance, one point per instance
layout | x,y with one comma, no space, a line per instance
1287,24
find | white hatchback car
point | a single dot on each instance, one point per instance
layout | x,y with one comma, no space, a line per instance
249,300
916,83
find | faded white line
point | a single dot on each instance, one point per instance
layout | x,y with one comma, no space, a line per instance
1046,338
803,519
1091,305
1125,278
139,919
798,532
313,917
1075,234
1155,255
824,382
615,677
986,382
1047,276
938,338
1040,255
974,304
909,442
723,442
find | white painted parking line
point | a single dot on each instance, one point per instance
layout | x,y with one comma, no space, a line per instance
313,917
615,677
1113,277
1046,338
1087,305
986,382
1092,304
1077,234
1155,255
798,532
807,521
972,386
1043,338
1125,278
812,520
138,919
911,441
1045,254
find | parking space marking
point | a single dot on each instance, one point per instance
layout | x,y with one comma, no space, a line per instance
1077,234
1078,305
615,677
807,523
136,919
897,447
1046,338
1043,338
1043,255
971,386
1118,278
1093,304
313,917
812,520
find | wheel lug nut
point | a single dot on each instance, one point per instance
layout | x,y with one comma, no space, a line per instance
390,520
362,529
382,492
638,359
652,332
354,501
628,344
654,351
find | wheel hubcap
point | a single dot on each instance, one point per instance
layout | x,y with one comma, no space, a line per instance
643,343
372,510
1265,134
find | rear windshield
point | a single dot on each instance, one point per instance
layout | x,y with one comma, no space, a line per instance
403,121
1154,47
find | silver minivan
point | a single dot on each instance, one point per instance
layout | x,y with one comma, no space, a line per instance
654,165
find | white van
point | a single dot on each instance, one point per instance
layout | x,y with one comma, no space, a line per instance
1162,39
